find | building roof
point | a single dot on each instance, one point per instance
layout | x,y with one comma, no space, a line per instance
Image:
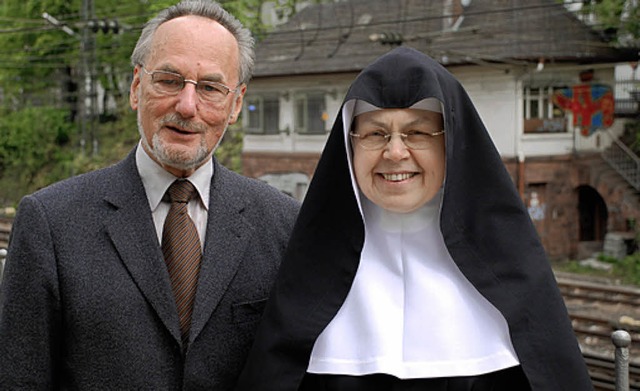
345,36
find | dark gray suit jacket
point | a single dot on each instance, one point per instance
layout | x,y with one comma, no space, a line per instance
86,301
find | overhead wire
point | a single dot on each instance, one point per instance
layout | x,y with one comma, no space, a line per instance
65,52
399,19
437,15
283,35
281,31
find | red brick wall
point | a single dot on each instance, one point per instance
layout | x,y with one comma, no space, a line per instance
559,179
257,164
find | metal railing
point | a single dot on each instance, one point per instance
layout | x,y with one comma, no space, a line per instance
627,94
623,160
621,339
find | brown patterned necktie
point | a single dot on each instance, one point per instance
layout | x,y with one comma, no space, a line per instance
182,251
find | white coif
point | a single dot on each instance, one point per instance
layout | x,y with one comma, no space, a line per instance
411,313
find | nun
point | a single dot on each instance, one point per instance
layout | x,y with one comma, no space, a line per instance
413,264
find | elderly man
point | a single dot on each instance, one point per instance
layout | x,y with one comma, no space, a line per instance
150,274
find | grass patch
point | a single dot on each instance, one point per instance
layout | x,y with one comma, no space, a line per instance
625,270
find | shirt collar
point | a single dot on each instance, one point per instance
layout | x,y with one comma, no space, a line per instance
156,180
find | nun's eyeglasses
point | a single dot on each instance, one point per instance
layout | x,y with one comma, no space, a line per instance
378,140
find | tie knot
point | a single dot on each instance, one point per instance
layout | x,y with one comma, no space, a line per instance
181,191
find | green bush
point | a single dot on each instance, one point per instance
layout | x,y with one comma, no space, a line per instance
33,141
629,268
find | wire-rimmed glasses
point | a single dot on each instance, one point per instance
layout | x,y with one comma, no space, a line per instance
378,140
170,83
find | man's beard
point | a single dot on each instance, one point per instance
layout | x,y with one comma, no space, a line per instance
181,160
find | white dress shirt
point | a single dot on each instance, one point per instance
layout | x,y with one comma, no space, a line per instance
156,181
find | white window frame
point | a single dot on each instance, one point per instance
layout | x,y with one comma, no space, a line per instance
258,100
302,118
548,118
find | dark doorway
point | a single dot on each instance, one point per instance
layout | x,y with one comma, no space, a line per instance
593,214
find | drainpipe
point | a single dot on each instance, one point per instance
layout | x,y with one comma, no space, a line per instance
521,179
3,256
518,133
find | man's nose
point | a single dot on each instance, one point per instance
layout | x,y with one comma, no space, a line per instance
187,104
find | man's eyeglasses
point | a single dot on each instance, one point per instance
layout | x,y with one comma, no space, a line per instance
169,83
378,140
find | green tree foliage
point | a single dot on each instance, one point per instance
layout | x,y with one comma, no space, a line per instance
32,149
619,18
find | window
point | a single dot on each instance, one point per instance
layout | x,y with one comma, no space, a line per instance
262,114
540,114
310,113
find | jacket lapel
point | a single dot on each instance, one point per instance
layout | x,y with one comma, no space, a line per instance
132,231
226,239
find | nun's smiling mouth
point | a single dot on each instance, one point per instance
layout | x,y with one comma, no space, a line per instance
398,177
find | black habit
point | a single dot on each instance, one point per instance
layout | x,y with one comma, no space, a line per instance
485,225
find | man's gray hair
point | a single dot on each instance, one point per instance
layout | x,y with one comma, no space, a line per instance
208,9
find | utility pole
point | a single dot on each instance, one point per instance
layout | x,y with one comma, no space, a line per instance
88,91
81,110
89,96
86,99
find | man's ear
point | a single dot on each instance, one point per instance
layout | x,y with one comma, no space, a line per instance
237,108
134,91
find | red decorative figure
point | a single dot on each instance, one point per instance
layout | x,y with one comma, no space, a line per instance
592,106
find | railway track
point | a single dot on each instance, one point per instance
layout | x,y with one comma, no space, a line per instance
596,310
5,229
594,291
